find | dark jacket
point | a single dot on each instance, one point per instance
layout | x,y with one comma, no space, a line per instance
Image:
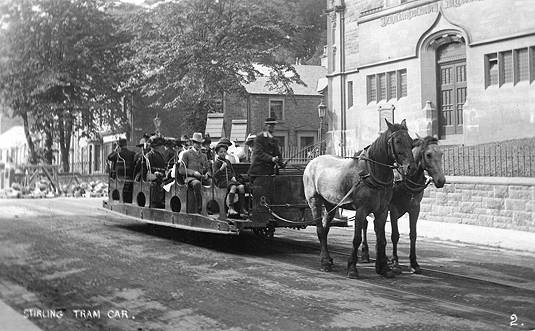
123,167
155,160
264,149
222,178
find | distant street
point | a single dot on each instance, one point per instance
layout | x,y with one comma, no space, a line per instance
69,265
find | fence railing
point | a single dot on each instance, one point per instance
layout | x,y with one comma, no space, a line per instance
296,155
515,158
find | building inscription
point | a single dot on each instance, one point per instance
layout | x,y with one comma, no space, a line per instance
422,10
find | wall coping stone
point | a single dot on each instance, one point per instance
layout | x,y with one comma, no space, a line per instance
520,181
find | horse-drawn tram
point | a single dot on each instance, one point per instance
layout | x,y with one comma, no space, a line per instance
273,201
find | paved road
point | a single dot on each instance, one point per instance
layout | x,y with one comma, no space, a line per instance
68,258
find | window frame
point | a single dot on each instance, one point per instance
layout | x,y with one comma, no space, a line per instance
283,111
513,65
306,134
350,94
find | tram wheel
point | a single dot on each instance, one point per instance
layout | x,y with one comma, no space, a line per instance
266,233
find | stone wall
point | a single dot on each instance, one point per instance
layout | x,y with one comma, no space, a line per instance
499,202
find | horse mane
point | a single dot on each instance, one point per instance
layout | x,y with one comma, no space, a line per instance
429,140
380,145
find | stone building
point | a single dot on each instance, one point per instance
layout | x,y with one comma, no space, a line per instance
297,114
461,70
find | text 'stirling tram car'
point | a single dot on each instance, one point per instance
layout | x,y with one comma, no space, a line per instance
273,201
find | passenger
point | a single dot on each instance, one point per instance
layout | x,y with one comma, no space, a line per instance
156,161
186,144
195,166
249,142
139,160
122,160
226,177
169,153
266,153
206,147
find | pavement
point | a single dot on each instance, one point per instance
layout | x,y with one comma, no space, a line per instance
522,242
11,320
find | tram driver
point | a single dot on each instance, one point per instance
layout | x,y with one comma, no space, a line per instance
266,154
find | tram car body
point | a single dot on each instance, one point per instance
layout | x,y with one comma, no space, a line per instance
273,201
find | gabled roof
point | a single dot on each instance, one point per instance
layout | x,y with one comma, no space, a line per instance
309,75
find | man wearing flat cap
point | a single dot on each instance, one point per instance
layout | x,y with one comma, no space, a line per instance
266,153
195,166
122,161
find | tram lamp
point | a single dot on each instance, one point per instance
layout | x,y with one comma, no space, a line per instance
157,122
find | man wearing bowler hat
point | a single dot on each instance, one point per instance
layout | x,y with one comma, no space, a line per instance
266,153
195,166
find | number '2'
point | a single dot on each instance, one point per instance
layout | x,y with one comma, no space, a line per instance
514,320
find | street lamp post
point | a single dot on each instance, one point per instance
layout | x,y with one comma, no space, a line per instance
322,109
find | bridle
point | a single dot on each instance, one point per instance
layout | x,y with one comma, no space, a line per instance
413,186
392,149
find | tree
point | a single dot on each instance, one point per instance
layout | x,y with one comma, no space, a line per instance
19,62
74,75
191,52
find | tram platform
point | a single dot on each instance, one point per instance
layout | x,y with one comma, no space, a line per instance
521,241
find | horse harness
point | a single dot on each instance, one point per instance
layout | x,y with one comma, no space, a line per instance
366,175
413,187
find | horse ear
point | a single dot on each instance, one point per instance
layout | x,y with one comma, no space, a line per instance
389,124
418,136
404,124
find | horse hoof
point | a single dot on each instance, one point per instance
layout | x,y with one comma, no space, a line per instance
388,274
397,270
353,274
365,258
416,270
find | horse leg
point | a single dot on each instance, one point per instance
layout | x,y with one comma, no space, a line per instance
330,211
413,218
365,250
316,206
360,219
394,216
381,263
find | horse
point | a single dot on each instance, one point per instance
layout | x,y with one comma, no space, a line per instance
407,196
363,184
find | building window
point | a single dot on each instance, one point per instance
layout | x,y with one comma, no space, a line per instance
402,87
532,63
492,69
391,82
306,141
510,66
506,67
381,86
521,65
386,86
372,88
276,109
349,94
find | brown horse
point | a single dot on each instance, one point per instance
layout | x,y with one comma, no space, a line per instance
364,184
407,196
